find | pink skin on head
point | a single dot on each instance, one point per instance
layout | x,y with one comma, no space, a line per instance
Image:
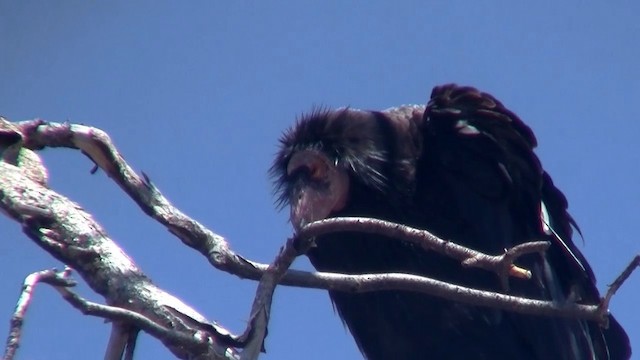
325,191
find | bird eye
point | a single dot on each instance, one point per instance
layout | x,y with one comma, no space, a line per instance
317,170
313,164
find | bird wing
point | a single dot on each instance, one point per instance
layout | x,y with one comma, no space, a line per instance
499,190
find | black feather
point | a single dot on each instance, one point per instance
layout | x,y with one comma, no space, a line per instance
464,169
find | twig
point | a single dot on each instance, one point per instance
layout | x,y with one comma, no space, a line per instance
261,309
196,342
502,264
122,341
22,305
617,283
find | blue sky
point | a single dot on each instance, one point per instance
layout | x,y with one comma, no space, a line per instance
195,94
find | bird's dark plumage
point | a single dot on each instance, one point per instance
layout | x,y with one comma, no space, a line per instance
464,169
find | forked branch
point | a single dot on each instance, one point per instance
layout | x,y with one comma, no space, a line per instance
43,213
501,264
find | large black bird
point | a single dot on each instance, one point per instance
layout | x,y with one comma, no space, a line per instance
462,167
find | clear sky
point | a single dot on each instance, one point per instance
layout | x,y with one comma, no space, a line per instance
196,93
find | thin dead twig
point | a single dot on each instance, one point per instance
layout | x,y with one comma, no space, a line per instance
617,283
261,308
22,305
501,264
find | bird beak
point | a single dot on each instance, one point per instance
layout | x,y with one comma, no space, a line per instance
303,210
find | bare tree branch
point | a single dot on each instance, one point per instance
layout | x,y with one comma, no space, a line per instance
195,342
64,230
502,264
261,309
98,146
617,283
22,305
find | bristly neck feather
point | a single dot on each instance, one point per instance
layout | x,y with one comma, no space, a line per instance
366,144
